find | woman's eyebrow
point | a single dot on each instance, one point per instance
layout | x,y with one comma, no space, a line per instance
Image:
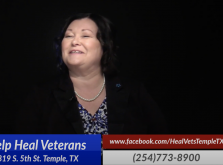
81,30
87,29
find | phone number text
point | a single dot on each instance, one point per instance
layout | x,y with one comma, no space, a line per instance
156,157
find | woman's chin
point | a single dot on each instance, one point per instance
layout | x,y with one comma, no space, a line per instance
75,64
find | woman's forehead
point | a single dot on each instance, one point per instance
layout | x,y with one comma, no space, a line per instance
84,24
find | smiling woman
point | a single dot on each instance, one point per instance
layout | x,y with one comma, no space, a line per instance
89,96
80,47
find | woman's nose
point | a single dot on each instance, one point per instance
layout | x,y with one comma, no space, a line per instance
76,41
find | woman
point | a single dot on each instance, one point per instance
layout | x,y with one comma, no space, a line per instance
89,97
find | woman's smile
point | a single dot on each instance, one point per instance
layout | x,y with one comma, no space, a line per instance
73,52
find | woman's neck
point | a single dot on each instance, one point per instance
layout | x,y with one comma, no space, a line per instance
87,81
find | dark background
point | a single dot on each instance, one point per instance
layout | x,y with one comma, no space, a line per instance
173,47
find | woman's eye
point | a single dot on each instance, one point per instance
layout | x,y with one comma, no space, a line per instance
67,36
85,36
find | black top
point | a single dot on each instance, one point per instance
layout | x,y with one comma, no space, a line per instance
52,108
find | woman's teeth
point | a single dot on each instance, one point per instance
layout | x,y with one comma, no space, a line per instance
76,51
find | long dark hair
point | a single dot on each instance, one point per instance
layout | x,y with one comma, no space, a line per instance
106,35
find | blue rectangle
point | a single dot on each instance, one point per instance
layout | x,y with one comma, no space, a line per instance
38,149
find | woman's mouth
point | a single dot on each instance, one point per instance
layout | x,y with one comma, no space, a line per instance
76,52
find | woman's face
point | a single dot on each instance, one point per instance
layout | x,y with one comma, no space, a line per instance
80,46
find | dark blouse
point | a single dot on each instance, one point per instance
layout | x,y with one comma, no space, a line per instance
97,124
